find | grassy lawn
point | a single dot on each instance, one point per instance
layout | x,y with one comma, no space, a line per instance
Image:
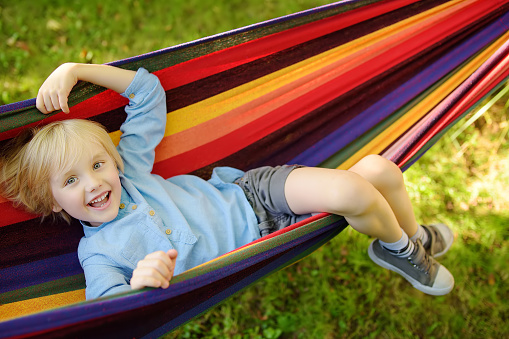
337,292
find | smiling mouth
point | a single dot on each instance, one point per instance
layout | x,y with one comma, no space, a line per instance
100,201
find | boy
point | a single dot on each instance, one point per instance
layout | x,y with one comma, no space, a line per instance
140,229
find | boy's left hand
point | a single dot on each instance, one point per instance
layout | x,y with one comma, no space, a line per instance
55,90
155,270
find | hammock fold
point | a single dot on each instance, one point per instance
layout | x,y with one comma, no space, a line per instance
323,87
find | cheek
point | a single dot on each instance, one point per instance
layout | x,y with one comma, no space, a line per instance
57,202
114,178
59,197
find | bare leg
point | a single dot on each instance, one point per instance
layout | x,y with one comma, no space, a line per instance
387,178
345,193
373,199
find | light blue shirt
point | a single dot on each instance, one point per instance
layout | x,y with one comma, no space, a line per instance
200,219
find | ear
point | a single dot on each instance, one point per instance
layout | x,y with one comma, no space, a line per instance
57,208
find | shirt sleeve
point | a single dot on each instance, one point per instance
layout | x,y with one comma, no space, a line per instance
145,124
103,279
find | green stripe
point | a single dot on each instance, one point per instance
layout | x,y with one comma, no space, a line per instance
68,284
258,248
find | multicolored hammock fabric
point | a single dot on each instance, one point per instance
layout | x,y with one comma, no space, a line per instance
322,88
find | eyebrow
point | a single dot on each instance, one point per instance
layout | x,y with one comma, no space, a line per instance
101,154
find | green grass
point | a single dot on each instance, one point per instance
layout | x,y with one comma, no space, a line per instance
336,292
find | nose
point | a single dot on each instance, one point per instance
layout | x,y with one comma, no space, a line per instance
92,182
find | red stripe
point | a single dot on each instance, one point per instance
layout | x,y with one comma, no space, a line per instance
11,215
207,65
235,141
226,59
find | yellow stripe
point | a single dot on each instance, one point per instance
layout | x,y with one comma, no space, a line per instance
388,135
329,65
200,112
30,306
226,255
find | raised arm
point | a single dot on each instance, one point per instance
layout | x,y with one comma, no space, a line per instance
55,90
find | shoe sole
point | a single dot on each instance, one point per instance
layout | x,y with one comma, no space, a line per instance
416,284
449,244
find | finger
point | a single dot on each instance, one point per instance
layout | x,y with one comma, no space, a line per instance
163,268
47,103
153,276
63,101
146,277
55,101
172,254
39,103
159,255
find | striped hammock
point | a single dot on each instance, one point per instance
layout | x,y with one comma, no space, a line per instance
322,87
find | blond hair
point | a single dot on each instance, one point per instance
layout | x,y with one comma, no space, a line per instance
29,160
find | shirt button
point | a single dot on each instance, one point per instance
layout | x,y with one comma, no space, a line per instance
135,207
168,231
122,206
152,213
131,96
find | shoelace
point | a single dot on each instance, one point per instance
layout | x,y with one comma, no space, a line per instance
425,262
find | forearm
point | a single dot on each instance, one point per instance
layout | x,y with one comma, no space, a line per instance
111,77
55,90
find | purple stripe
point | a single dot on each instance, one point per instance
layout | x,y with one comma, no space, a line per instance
38,272
452,99
250,279
95,312
366,120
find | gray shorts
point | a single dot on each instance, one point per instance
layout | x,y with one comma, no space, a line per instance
264,188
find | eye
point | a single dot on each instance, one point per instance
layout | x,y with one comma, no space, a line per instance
98,165
70,181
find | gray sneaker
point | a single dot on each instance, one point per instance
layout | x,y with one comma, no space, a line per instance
440,238
420,269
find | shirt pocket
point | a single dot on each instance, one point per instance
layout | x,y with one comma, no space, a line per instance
183,237
141,242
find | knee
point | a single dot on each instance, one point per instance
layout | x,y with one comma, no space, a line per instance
352,198
380,172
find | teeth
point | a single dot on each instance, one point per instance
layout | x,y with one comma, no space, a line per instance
101,198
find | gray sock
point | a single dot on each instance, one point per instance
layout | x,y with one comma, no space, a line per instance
420,234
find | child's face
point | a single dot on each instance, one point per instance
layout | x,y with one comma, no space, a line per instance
90,190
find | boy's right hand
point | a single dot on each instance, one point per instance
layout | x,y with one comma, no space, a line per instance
155,270
55,90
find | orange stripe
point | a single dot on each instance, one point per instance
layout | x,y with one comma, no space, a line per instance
286,85
26,307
